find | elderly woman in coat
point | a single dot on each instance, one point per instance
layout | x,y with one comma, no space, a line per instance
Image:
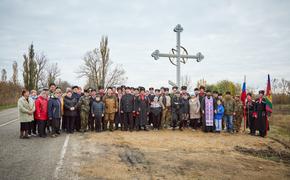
194,111
26,109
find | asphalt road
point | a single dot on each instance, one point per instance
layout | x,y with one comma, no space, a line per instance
35,158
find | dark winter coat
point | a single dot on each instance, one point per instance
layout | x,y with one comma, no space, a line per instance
68,103
176,104
128,103
142,107
97,108
54,108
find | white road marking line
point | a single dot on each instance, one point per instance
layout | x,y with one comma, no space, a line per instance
60,162
1,125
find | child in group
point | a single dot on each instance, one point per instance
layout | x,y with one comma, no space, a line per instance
218,116
97,110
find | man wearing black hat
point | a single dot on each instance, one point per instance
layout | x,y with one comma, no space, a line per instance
185,109
119,116
101,91
177,110
142,109
52,88
250,109
135,114
127,109
262,124
173,92
77,96
151,96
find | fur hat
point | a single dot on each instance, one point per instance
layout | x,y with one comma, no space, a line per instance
74,87
183,87
174,87
142,89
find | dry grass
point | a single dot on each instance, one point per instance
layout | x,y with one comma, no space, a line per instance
280,128
181,155
174,155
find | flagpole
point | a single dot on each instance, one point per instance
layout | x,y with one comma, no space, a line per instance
244,103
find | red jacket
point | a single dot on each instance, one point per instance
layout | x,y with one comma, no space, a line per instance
41,106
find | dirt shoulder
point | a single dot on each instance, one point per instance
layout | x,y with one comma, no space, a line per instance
175,155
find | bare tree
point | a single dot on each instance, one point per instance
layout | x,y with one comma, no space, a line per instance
116,76
288,88
15,73
283,85
3,75
186,81
97,68
104,51
53,72
91,68
275,84
63,85
29,69
41,61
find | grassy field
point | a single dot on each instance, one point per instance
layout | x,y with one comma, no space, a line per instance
3,107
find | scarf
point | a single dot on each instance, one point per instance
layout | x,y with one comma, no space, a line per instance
209,111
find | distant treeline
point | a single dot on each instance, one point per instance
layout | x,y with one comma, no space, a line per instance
281,99
9,93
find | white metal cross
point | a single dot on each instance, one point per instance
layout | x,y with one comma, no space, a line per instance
156,54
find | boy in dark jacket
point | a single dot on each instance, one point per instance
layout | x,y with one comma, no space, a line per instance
219,116
97,111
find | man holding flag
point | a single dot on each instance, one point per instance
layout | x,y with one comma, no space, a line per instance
263,108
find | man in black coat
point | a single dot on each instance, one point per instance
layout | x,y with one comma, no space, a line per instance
142,107
250,112
77,96
127,109
70,111
151,96
260,114
176,106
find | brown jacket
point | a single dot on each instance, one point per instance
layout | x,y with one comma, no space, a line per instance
111,103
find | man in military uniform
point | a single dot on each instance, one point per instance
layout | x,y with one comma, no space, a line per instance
84,105
229,105
165,102
239,114
111,107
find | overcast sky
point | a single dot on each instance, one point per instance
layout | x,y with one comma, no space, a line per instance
237,38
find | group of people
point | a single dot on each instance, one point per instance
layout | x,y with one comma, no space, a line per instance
128,109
